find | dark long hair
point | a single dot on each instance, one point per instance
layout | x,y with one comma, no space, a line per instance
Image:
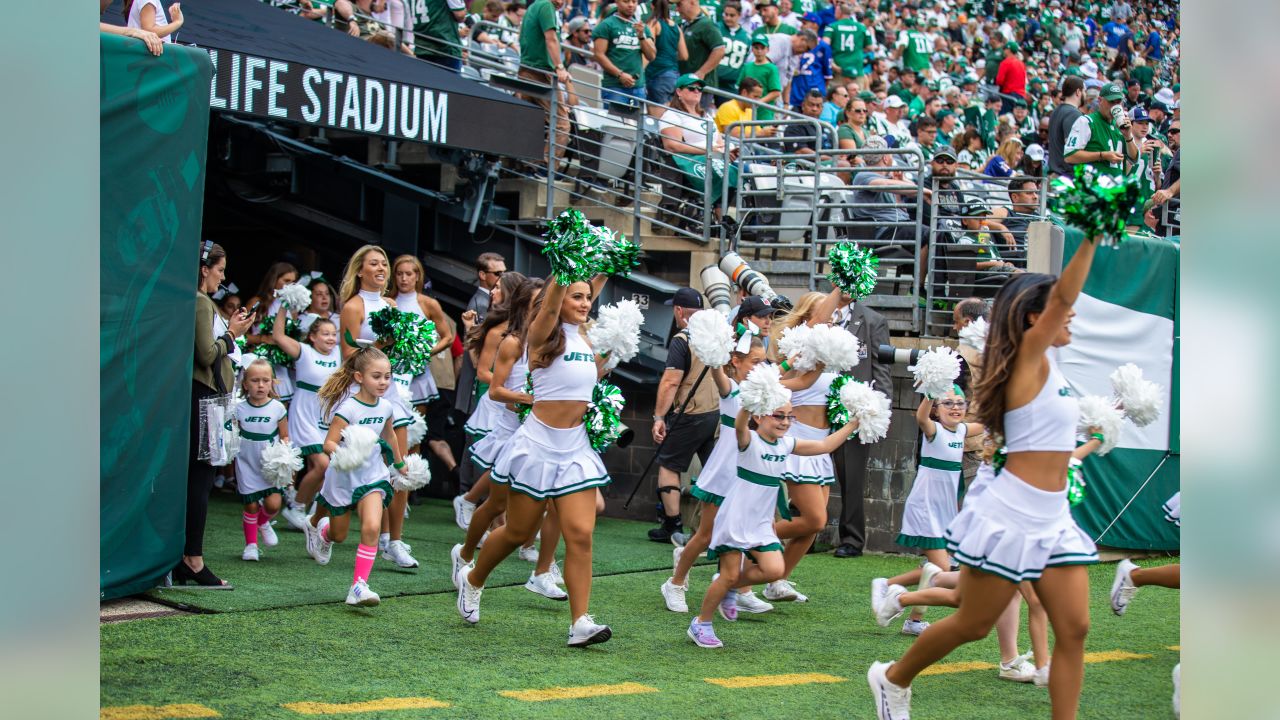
267,291
556,340
1010,315
521,302
509,283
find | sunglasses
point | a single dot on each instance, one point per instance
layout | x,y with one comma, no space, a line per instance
780,417
859,110
1175,131
496,273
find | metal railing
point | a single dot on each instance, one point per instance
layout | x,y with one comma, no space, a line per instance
1171,217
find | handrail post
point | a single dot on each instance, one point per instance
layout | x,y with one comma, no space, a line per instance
639,170
708,137
916,314
551,147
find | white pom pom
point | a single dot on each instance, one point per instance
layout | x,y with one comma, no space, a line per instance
795,345
1139,398
1102,413
836,348
975,334
870,408
417,429
616,332
358,443
415,474
280,460
710,338
762,392
294,296
936,371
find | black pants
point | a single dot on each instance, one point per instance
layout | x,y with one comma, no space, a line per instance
199,479
851,472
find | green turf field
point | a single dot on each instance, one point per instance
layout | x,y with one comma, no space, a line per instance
289,639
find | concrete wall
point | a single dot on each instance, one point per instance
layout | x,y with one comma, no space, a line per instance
889,475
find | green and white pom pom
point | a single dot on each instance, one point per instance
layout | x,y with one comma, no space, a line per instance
837,413
269,351
1075,482
1098,205
523,410
853,269
407,339
572,248
615,254
604,415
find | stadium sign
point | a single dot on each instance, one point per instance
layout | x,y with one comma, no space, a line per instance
319,96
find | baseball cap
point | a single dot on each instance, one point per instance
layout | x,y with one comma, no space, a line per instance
760,38
942,114
1111,91
755,307
686,298
812,17
867,96
577,24
765,3
974,208
1139,114
893,101
685,81
944,152
1013,45
1164,95
1036,152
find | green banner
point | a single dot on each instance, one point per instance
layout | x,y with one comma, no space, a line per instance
694,168
154,131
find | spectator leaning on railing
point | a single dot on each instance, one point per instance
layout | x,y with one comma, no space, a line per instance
148,16
153,42
540,58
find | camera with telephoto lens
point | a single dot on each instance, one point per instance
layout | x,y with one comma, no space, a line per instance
752,282
715,285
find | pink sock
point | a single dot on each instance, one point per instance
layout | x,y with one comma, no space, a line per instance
264,517
324,532
364,562
250,528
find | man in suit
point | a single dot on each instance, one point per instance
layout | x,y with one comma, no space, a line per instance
851,459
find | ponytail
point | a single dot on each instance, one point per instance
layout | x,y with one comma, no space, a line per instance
338,386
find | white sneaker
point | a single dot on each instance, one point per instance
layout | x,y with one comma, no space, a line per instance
914,627
529,554
585,631
927,573
673,596
468,596
295,516
250,552
879,588
383,541
556,577
545,585
361,595
749,603
456,563
324,550
1019,670
398,553
783,590
267,536
1042,676
462,511
676,552
1177,690
892,702
888,608
1122,588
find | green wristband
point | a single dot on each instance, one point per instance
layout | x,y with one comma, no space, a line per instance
1098,436
786,367
399,465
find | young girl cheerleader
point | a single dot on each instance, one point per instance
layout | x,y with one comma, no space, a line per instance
315,360
321,305
1020,526
551,459
278,275
263,419
718,476
364,489
409,276
744,524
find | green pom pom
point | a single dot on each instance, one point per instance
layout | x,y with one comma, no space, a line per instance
572,248
604,415
853,269
837,413
1075,485
617,255
270,351
522,410
407,339
1098,205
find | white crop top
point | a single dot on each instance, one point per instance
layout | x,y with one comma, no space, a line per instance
1047,423
373,302
408,302
570,376
519,369
815,394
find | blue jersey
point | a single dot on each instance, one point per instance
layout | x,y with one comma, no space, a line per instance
811,73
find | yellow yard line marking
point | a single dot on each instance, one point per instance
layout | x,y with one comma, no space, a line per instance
576,693
409,703
1112,656
1175,648
156,712
956,667
750,681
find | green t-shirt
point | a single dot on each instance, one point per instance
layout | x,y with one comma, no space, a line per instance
1145,75
737,52
767,75
849,40
915,107
810,6
538,19
780,29
844,132
701,37
710,8
623,49
434,19
1095,133
916,50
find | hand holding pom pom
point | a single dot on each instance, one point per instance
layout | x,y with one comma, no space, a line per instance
1139,398
604,415
616,332
871,409
294,296
936,371
836,348
280,460
1101,413
415,474
1099,205
796,345
710,338
853,269
358,443
762,392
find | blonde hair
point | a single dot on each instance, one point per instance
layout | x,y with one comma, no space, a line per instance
800,313
1008,148
350,282
392,290
258,360
335,389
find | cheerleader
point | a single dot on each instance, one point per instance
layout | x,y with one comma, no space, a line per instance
278,275
744,524
365,489
1020,526
321,304
935,494
315,360
551,459
809,478
262,418
718,475
410,277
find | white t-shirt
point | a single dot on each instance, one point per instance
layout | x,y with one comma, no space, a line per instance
693,130
135,16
